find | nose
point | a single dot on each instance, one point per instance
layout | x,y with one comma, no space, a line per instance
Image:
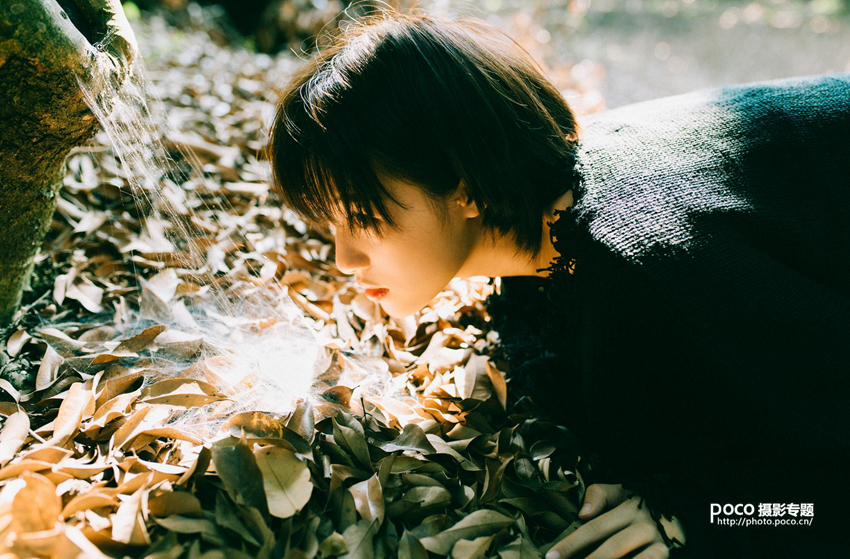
349,258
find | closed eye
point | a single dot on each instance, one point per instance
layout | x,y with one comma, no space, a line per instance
361,221
361,217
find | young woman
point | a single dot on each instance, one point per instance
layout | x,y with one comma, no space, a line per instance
693,254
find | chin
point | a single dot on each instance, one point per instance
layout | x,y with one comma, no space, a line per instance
399,311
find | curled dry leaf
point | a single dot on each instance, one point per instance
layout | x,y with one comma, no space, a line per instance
411,438
141,340
166,503
369,499
116,382
79,401
479,523
471,549
87,293
237,467
48,368
128,524
189,525
12,437
178,345
254,424
302,421
92,500
112,409
500,387
16,342
409,547
183,392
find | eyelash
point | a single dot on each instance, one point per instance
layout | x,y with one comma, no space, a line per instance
361,218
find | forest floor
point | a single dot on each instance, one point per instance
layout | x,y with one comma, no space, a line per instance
162,398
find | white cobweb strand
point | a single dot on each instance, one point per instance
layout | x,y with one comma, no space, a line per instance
283,354
283,358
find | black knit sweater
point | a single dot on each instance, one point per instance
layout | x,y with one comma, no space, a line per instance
702,343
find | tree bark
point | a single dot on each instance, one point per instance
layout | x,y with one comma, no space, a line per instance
45,47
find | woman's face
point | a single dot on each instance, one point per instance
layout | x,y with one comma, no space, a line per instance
416,262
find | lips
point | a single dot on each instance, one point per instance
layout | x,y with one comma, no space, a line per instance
376,293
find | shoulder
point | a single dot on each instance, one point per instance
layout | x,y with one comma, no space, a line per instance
812,96
650,171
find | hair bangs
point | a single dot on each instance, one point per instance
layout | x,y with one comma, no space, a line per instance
324,177
433,102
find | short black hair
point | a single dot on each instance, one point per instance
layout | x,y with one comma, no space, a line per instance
429,100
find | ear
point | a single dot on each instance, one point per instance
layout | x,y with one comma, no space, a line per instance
464,201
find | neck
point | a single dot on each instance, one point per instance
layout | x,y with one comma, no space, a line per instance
497,256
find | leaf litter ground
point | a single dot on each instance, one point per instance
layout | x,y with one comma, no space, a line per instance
128,433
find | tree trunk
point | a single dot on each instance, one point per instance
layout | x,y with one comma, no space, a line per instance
45,47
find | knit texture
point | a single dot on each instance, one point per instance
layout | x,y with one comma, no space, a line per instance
695,327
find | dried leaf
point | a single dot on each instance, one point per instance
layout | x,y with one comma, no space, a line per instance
521,548
91,500
12,437
99,334
500,387
228,516
61,342
174,344
482,522
117,407
333,545
114,383
48,368
473,380
17,468
16,342
409,547
87,293
411,438
36,507
77,402
471,549
7,387
170,433
129,428
286,480
369,499
338,395
167,503
189,525
128,525
74,544
163,285
237,467
302,420
350,436
141,340
360,538
183,392
254,424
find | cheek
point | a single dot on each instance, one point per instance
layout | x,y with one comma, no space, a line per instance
429,256
422,266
